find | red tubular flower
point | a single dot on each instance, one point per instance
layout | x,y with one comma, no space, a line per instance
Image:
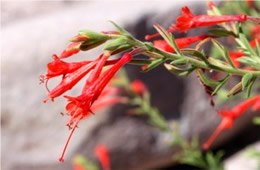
73,48
244,106
188,20
107,98
225,124
97,70
144,67
230,116
79,38
250,3
256,106
138,87
72,74
181,42
253,42
102,154
100,104
70,80
211,5
79,107
58,67
256,31
234,55
172,28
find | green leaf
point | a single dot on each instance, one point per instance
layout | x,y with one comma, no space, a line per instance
111,46
93,35
252,62
168,37
90,44
85,163
180,61
250,86
235,90
223,51
198,54
246,80
246,44
154,64
258,48
181,72
256,121
222,83
227,57
157,119
221,33
218,46
139,62
206,80
122,48
120,29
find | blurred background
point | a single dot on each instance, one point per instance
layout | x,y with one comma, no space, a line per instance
34,133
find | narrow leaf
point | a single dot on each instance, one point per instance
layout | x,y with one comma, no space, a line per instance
246,44
154,64
139,62
227,57
120,29
180,61
221,33
206,80
250,86
256,120
222,83
258,48
93,35
246,80
111,46
181,72
235,90
168,37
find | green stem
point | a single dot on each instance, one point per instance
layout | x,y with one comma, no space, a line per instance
201,64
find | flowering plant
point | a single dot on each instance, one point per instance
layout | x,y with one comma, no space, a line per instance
213,71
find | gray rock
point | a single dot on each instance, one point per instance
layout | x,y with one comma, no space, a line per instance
241,160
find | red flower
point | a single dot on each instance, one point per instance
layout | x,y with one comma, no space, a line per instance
70,80
256,106
72,74
138,87
73,48
144,67
181,42
211,5
253,42
188,20
79,38
79,107
172,28
234,55
229,116
256,31
250,3
97,70
102,153
58,67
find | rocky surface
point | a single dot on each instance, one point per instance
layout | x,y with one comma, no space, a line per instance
242,160
33,133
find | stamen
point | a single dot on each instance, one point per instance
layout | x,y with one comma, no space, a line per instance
42,78
61,159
